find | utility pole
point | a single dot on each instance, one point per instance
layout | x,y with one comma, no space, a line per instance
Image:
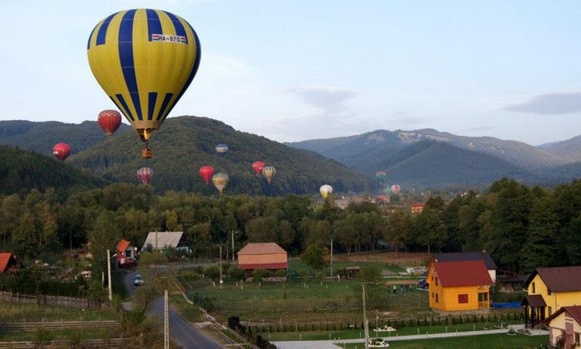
233,232
331,274
109,274
221,266
165,321
365,324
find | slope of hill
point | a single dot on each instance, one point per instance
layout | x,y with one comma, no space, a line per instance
184,144
568,149
362,150
439,164
23,170
42,136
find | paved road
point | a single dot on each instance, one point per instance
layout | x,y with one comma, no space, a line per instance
182,332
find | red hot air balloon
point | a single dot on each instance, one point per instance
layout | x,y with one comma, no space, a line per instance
145,174
257,167
61,151
109,120
207,172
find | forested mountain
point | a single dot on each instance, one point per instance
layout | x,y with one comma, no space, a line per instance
42,136
24,170
431,158
183,145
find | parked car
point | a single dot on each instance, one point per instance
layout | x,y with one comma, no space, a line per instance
138,280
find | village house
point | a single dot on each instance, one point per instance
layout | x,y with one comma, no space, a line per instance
8,263
417,207
125,254
159,240
265,255
549,289
458,285
470,256
565,327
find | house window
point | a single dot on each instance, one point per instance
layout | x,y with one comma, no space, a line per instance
550,310
533,288
437,281
462,298
437,298
577,338
483,296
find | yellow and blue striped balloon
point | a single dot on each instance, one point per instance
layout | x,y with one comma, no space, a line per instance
144,60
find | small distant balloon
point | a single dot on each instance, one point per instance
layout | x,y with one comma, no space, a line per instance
145,174
222,149
220,181
268,172
257,167
381,176
109,120
207,172
326,190
61,151
395,188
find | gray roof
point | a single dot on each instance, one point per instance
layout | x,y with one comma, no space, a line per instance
467,256
161,239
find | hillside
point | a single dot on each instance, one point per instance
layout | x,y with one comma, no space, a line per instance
439,164
183,145
42,136
362,151
23,170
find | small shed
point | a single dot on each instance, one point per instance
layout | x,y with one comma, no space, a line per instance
263,255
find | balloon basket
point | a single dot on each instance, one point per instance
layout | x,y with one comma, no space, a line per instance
146,153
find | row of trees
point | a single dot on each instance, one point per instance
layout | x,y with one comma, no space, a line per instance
521,227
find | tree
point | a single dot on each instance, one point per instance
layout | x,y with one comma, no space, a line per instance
315,257
398,228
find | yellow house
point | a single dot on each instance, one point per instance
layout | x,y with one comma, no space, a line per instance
549,289
565,328
458,285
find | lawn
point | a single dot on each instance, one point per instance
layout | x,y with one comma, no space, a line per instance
496,341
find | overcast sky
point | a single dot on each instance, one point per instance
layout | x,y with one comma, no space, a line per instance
298,69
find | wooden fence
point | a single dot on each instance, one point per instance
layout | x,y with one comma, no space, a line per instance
72,302
58,325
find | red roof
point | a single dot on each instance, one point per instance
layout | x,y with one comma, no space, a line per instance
462,273
559,279
255,248
573,311
5,261
123,245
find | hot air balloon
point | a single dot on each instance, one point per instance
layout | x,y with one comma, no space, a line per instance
145,174
257,167
221,149
381,176
395,188
326,190
268,172
206,172
109,120
144,60
220,180
61,151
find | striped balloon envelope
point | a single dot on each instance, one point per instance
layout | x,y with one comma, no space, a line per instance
144,60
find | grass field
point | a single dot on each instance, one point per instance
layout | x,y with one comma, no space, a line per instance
500,341
19,312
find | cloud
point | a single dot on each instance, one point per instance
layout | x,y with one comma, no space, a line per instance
324,98
550,103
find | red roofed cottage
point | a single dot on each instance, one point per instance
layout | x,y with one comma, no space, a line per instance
263,255
8,262
459,285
